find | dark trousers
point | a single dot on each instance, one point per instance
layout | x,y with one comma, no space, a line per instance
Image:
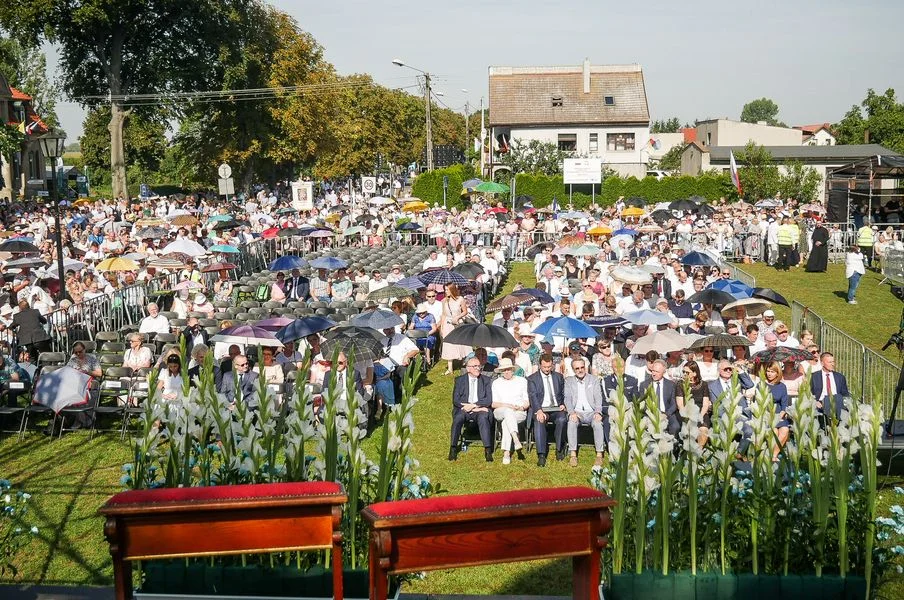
484,422
784,254
557,418
867,255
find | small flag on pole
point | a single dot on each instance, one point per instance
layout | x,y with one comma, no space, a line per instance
735,177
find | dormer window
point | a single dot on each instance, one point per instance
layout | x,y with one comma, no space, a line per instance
556,101
609,100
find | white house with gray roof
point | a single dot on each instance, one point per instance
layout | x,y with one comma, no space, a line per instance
597,111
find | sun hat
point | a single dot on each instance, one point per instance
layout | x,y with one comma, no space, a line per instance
504,365
768,313
422,308
524,330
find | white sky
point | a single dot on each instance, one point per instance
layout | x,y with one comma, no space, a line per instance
701,58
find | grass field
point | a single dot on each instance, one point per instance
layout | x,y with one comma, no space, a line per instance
72,477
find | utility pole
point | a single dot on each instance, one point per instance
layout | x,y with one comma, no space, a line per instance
467,129
427,93
482,136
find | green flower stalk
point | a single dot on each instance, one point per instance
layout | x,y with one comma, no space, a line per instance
870,417
621,414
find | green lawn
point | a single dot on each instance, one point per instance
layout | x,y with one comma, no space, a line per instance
72,477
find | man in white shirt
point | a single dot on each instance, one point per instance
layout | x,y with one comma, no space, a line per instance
433,261
784,336
398,347
154,322
632,303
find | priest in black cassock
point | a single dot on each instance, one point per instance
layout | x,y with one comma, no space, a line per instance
819,250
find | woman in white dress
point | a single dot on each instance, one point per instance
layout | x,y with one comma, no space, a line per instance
510,404
455,310
170,380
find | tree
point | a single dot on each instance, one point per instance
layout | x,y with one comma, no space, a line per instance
762,109
671,160
883,122
144,138
799,182
26,69
114,49
534,157
760,177
672,125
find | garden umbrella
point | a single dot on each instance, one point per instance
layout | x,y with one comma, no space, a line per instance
647,317
711,296
411,283
781,354
274,324
220,266
379,319
745,307
683,205
632,212
18,246
381,201
152,232
667,340
698,259
636,201
538,295
249,335
481,335
491,187
624,231
599,230
302,328
567,327
631,275
27,261
736,288
415,206
442,277
469,270
224,248
184,246
330,263
356,341
287,263
509,301
390,291
720,340
184,221
117,264
770,295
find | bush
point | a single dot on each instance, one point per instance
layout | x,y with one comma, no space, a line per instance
429,186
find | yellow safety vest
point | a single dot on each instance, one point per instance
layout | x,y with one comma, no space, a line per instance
786,234
865,236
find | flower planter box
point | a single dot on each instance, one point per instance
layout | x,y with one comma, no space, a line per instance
745,586
174,579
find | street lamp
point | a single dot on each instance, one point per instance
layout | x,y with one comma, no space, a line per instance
400,63
52,144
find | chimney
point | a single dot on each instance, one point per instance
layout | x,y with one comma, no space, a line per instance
586,75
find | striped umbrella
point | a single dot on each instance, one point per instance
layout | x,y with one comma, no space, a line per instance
442,277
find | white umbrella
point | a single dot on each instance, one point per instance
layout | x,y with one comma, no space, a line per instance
647,317
667,340
381,201
185,246
652,269
745,307
629,240
631,275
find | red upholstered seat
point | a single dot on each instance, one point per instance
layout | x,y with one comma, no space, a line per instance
476,502
225,492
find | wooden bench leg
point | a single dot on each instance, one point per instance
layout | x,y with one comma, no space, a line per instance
337,554
379,578
586,576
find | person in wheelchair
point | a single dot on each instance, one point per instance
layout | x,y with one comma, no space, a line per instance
423,331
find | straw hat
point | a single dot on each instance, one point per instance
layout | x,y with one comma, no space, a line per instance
504,365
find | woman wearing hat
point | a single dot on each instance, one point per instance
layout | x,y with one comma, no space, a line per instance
424,321
510,404
202,305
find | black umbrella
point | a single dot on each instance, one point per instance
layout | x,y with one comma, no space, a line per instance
636,201
698,259
223,225
706,209
720,340
361,343
781,354
302,328
481,335
536,249
469,270
523,199
685,205
18,246
697,199
289,232
770,295
26,261
377,319
711,296
540,295
662,215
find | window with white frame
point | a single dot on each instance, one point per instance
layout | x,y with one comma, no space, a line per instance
616,142
594,142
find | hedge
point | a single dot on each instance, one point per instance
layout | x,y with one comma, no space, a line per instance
544,187
429,186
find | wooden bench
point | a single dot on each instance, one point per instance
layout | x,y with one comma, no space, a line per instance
459,531
229,519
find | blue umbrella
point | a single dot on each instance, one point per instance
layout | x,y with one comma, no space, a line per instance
215,218
224,248
624,231
567,327
698,259
302,328
411,283
736,288
287,263
377,319
647,317
330,263
471,183
442,277
572,215
409,226
539,295
603,322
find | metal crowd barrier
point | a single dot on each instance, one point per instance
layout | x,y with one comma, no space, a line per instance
870,375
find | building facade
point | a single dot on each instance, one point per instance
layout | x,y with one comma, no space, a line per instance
596,111
23,172
726,132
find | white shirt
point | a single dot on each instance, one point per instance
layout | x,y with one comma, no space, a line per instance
435,309
158,324
399,346
511,391
549,400
581,404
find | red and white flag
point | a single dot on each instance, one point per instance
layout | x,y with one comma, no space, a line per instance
735,177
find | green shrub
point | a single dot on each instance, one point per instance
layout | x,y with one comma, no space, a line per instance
429,186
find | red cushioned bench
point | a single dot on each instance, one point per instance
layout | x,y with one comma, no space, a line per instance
480,529
229,519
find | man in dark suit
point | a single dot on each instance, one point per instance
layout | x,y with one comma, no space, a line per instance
664,391
28,324
194,334
662,287
829,387
240,381
610,384
340,371
546,392
472,400
721,386
297,286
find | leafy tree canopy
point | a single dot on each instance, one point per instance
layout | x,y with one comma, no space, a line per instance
672,125
762,109
878,120
534,157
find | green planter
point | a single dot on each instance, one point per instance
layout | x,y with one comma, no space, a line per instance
621,587
770,587
708,586
685,586
854,588
792,586
749,586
